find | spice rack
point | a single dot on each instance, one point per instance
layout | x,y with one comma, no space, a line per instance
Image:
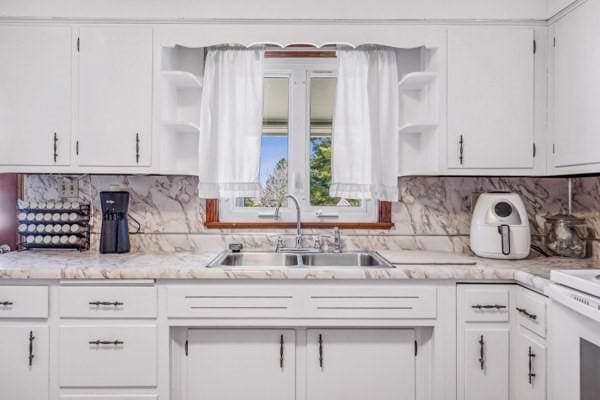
53,225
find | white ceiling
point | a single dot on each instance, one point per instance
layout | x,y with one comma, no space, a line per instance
284,9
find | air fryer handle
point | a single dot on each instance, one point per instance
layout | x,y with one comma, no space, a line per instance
504,232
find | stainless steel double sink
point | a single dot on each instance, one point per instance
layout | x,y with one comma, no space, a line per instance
266,260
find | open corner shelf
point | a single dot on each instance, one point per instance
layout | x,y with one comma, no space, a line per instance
416,80
417,127
182,79
182,126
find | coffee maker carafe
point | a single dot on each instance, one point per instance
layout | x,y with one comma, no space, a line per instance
114,237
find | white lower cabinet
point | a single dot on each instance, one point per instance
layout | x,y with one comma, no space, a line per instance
109,397
529,367
261,364
486,367
24,362
483,340
528,346
109,344
233,364
501,347
358,364
107,356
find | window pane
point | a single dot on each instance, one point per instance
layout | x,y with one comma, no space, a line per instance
322,104
274,145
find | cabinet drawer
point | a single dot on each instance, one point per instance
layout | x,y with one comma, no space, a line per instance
230,301
372,302
107,302
531,311
23,302
484,304
85,361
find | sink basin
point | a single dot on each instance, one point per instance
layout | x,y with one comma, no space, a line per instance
343,260
254,260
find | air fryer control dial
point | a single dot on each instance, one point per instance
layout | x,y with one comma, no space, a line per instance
503,209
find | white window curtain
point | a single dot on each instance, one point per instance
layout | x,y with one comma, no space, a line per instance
231,123
365,125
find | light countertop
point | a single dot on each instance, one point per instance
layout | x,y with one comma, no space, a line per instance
533,272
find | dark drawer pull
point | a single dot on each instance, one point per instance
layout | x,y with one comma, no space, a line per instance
31,355
281,352
106,303
55,154
106,342
488,306
6,303
531,374
526,313
481,353
321,351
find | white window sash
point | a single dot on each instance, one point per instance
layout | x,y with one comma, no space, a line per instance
299,72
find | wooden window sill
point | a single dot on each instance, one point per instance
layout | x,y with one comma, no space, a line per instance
212,221
305,225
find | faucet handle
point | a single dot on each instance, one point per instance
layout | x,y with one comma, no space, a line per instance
280,243
318,242
235,247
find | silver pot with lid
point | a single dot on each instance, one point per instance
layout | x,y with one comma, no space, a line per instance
566,236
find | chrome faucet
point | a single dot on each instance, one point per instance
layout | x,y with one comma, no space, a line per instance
337,240
298,222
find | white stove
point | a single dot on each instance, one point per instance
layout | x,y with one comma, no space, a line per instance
574,334
584,280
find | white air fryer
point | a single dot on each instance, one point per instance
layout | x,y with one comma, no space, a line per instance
500,227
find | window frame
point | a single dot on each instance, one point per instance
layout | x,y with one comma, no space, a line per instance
370,215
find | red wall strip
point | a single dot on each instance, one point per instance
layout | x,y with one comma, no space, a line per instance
8,203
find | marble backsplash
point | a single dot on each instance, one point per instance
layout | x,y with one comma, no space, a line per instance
432,213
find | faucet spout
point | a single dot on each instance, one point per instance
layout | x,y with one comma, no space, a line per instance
298,216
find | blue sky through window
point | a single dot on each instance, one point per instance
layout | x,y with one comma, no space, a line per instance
273,149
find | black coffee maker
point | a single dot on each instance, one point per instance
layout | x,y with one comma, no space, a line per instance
114,237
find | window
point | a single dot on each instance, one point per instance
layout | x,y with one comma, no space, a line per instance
274,144
296,150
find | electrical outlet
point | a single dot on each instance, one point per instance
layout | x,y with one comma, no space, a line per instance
69,188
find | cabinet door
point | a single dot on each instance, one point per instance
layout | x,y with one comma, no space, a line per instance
115,96
35,95
358,364
107,356
486,364
22,377
529,367
233,364
577,88
490,98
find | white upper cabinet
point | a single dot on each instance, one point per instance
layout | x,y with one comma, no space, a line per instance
490,98
576,124
115,96
35,95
